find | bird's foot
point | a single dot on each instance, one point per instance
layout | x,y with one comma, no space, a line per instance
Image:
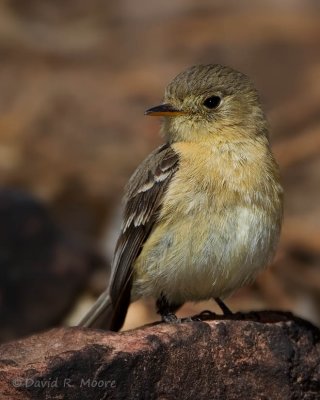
204,315
171,318
226,311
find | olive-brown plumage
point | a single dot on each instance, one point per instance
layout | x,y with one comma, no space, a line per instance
203,212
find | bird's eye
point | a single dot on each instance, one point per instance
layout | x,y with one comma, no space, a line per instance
212,102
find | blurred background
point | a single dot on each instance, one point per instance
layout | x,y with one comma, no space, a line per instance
75,79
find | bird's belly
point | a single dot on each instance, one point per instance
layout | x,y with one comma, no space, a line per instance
204,255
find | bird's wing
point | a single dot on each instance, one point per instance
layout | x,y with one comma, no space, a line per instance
144,195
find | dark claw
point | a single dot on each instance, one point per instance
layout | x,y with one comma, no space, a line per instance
204,315
226,311
171,318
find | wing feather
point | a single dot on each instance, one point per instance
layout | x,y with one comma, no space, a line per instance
145,192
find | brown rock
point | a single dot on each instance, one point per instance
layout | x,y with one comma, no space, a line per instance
267,355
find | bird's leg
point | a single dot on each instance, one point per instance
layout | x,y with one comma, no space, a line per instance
224,308
167,310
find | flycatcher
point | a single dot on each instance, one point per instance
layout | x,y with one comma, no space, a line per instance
203,212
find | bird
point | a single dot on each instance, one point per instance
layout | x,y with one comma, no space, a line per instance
203,212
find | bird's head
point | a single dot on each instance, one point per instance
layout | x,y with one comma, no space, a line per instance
210,101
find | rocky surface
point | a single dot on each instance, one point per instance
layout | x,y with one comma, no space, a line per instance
265,355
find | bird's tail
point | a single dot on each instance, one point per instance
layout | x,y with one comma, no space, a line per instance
100,315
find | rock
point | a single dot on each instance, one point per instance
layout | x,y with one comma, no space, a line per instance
266,355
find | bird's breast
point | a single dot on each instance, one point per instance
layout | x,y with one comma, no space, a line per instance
212,236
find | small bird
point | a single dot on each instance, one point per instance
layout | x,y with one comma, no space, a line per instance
203,211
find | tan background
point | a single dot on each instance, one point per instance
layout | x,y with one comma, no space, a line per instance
76,77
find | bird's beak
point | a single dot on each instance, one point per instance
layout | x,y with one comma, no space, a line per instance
164,110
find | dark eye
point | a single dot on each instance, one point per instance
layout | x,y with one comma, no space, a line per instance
212,102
